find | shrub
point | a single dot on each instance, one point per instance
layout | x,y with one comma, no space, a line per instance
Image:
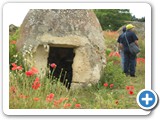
14,56
113,74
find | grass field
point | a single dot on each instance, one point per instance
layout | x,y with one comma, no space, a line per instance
114,90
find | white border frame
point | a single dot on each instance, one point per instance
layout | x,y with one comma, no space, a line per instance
9,6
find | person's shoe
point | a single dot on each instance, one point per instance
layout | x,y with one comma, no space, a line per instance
133,76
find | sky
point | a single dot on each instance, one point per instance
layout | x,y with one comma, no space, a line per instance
20,15
138,13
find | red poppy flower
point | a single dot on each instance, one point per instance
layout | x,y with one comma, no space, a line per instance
111,85
61,99
105,84
77,105
114,54
57,102
37,79
36,99
116,102
140,60
130,92
36,84
53,65
129,87
29,73
50,97
34,70
15,67
67,105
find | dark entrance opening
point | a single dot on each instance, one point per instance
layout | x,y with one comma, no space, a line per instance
63,58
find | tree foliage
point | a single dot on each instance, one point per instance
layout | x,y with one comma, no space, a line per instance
138,19
113,19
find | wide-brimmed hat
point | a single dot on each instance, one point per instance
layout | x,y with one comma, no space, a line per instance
129,26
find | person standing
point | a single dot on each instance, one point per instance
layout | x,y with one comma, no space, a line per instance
129,59
120,49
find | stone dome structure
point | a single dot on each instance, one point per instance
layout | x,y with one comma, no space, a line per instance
70,38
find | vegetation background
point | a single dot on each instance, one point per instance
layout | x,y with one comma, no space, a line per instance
114,90
113,19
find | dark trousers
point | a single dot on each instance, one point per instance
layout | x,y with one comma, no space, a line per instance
129,63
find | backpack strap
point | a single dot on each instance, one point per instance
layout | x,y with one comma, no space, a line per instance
126,39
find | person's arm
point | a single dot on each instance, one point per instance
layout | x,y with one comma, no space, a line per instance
136,42
135,38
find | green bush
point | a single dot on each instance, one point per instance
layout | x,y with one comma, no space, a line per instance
113,75
14,56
